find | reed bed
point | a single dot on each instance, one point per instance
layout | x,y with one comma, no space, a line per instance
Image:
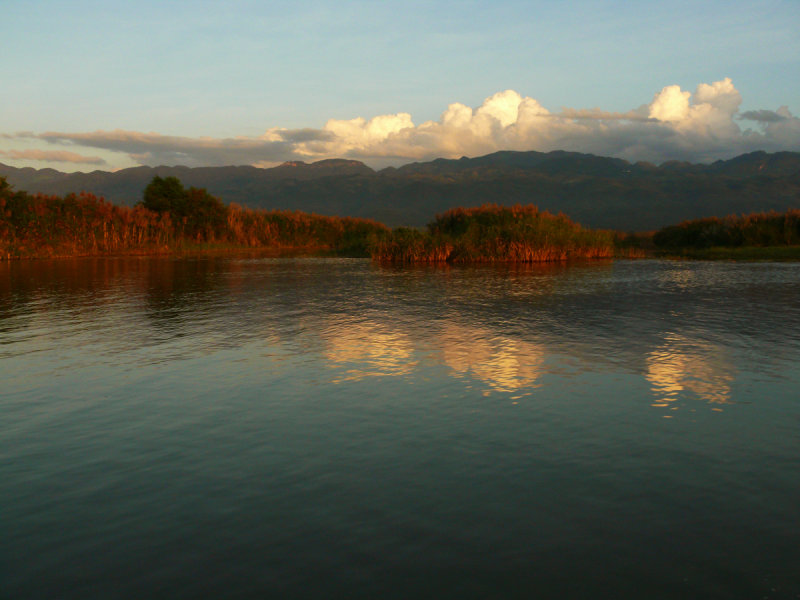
39,226
493,233
769,229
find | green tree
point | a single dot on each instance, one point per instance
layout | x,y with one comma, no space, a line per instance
165,195
197,212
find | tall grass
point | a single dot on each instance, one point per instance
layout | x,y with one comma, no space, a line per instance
753,230
492,233
294,229
36,225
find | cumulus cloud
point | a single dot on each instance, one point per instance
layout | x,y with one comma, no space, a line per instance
675,124
597,114
670,105
52,156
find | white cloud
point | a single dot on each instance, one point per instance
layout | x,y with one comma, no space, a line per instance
503,106
670,104
676,124
720,94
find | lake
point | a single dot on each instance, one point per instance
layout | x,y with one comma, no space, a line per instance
320,428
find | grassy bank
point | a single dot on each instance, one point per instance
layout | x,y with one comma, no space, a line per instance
740,253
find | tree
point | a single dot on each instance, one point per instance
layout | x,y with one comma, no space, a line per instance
198,212
165,195
203,211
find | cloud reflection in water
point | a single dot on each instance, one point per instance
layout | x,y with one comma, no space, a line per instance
503,363
367,349
361,349
682,366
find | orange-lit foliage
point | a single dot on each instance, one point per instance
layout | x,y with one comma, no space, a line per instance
294,229
39,225
492,233
77,225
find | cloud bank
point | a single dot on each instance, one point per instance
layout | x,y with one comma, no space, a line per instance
675,125
52,156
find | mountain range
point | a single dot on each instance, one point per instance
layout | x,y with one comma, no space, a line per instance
595,191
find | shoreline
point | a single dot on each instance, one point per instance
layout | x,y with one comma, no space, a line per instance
35,227
744,254
740,253
220,250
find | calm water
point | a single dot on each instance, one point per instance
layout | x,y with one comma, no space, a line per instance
251,427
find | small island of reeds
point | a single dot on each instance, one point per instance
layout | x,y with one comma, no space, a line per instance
756,236
492,233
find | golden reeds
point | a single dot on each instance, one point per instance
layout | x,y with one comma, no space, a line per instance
492,233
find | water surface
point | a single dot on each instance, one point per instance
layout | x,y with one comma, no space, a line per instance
273,427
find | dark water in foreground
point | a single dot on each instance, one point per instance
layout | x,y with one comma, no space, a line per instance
239,428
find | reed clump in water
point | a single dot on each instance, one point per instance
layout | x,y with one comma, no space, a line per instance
493,233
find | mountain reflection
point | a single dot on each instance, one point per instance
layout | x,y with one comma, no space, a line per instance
681,367
505,364
367,349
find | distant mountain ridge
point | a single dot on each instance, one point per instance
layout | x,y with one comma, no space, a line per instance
594,190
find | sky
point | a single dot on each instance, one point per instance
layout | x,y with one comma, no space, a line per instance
106,85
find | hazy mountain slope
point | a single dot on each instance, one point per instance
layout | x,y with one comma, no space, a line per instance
594,190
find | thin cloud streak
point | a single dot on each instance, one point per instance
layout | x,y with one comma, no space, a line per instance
675,125
52,156
157,149
763,116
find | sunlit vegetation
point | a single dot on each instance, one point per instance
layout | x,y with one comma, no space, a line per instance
169,219
196,213
294,229
492,233
771,233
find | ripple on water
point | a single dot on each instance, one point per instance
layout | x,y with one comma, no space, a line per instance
228,426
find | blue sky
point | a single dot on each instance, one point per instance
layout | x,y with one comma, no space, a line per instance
171,74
